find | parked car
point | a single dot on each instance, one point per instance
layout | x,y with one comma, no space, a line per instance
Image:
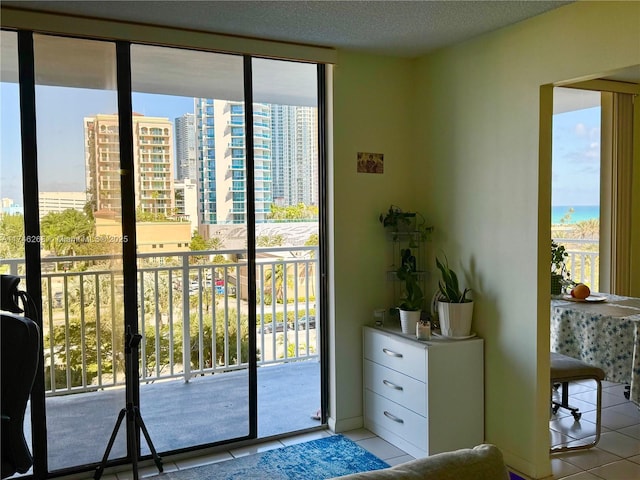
268,327
57,300
307,322
194,286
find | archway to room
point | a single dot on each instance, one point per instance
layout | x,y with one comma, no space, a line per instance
590,129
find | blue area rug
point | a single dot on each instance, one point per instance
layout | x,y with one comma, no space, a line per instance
315,460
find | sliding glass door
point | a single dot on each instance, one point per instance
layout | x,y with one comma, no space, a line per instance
82,281
194,380
286,198
12,231
192,177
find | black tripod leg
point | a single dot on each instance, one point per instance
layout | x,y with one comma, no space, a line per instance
143,427
132,439
100,469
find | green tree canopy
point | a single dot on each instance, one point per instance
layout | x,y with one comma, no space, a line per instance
12,236
68,232
297,212
197,242
313,240
270,240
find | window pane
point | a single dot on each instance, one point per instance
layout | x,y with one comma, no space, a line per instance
576,181
286,203
11,209
193,316
80,223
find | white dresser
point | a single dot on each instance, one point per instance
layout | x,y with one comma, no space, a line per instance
425,397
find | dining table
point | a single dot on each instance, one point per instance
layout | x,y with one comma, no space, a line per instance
602,330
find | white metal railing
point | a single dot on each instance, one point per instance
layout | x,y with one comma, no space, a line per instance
198,296
583,265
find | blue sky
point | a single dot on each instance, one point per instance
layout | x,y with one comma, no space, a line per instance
60,132
576,158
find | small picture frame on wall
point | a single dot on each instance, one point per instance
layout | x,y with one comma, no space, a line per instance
370,162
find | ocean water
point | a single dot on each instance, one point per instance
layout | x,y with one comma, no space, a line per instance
580,213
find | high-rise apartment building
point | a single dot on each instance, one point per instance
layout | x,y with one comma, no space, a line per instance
187,202
153,163
186,147
295,154
221,179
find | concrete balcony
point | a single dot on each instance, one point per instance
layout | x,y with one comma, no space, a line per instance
193,392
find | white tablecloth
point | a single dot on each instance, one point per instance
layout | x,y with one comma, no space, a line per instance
605,334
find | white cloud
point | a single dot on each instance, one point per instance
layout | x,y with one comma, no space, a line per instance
580,129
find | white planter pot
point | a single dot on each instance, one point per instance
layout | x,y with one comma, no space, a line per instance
409,320
455,318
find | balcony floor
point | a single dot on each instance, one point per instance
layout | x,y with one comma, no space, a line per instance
177,415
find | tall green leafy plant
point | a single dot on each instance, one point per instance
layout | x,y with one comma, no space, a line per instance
449,286
558,257
413,296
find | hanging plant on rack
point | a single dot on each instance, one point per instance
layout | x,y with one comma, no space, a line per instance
397,220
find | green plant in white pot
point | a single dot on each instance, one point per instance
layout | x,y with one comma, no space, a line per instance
560,276
412,299
455,310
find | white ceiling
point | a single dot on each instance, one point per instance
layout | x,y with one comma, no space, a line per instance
397,28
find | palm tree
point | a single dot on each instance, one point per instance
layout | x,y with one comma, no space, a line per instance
274,280
588,228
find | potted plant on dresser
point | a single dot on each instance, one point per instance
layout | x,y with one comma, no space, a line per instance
455,310
412,298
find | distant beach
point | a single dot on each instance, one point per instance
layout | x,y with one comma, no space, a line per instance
580,213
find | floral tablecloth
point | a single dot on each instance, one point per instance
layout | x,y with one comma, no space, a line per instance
604,334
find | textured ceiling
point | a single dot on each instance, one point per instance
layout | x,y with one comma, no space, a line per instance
398,28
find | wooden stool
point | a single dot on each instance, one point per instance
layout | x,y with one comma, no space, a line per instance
565,370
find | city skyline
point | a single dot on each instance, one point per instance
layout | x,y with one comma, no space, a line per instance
69,106
575,146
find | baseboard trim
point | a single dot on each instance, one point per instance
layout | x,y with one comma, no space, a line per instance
345,424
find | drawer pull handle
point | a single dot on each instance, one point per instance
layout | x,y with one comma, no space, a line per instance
393,417
391,353
392,385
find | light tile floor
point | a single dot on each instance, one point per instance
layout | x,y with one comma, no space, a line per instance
616,457
617,454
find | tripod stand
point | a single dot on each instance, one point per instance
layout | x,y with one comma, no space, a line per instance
132,413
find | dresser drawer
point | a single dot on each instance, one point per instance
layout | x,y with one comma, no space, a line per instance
395,386
409,358
396,419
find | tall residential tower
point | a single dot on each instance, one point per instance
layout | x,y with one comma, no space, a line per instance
152,162
186,147
221,178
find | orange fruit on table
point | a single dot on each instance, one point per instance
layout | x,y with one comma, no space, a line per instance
580,291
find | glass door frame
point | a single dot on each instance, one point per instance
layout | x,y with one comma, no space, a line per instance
27,84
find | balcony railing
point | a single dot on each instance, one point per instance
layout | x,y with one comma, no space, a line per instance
192,314
583,261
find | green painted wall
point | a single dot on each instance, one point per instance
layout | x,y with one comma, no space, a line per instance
460,130
371,113
489,193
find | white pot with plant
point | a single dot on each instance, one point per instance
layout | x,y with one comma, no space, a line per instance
455,310
411,302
